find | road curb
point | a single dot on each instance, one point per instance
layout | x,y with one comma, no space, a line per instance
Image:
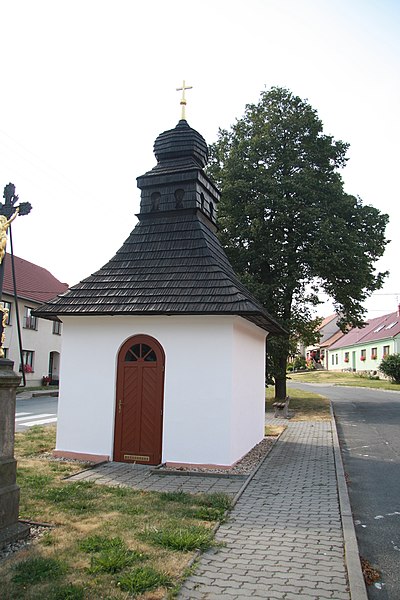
351,553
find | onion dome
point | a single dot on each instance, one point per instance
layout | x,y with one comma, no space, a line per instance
183,142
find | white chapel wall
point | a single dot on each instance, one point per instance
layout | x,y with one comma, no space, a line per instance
248,408
201,407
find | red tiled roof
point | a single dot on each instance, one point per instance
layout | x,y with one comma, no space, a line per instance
380,328
33,282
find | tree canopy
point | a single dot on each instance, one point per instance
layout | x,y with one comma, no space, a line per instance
288,226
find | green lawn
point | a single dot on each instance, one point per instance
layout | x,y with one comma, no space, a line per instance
107,543
338,378
306,406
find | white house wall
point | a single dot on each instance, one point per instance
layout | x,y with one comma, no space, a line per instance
41,341
208,394
336,358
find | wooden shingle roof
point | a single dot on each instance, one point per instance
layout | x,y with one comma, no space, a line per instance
172,263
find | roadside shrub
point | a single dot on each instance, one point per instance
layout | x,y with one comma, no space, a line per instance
299,363
390,366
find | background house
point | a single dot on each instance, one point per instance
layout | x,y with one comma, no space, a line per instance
362,349
41,339
329,333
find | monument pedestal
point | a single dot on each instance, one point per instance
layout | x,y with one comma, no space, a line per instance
10,529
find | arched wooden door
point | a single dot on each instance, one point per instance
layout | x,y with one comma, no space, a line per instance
139,406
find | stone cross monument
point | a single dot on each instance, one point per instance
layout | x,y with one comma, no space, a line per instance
10,528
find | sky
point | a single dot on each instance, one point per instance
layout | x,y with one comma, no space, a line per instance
87,86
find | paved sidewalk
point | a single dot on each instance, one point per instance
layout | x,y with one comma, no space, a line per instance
140,477
284,537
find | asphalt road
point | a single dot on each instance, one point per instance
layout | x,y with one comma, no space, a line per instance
368,423
35,411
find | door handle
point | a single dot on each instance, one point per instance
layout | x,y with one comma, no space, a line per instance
119,406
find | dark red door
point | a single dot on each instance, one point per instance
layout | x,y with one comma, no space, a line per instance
139,406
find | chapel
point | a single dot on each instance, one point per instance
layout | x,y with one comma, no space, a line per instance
163,357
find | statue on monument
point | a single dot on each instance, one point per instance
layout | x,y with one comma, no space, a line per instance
4,225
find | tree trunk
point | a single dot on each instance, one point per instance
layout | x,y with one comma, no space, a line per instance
280,389
280,376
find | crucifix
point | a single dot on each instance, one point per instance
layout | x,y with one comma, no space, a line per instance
8,212
183,99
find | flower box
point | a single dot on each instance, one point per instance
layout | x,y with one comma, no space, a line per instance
363,358
374,356
346,360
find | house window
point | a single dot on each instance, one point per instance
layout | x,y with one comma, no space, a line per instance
346,357
28,357
7,305
363,355
333,359
374,353
30,322
337,358
57,327
386,350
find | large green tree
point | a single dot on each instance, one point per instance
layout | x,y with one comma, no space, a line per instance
287,225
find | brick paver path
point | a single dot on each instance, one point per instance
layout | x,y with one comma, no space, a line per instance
139,477
283,539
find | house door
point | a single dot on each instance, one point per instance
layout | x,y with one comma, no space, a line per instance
139,405
54,367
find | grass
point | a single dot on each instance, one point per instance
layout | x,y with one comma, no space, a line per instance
307,406
107,543
143,579
36,569
274,430
339,378
176,537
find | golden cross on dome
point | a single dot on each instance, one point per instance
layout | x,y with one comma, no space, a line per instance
183,99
